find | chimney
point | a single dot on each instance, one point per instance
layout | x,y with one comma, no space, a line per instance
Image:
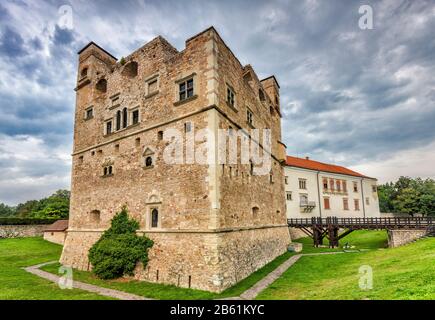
307,158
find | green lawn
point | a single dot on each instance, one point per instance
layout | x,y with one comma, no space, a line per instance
168,292
17,284
358,240
403,273
406,272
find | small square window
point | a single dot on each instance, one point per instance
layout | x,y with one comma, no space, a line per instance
289,196
160,135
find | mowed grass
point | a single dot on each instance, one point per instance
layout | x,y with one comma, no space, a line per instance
406,272
17,284
357,240
169,292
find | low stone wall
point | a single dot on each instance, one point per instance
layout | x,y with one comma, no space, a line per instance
20,231
398,238
296,233
55,236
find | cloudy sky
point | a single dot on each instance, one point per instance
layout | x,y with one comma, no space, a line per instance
359,98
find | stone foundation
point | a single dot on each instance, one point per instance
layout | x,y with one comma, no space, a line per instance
398,238
20,231
205,261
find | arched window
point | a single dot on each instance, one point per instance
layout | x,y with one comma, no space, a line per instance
255,211
84,72
124,118
118,120
154,218
101,85
110,170
148,161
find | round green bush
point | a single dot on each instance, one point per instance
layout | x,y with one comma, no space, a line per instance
119,249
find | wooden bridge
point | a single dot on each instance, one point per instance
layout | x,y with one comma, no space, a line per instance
318,228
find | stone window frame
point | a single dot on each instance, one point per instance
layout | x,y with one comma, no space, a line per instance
115,101
151,79
289,195
356,204
159,220
302,183
148,152
230,91
192,76
346,204
249,117
326,203
86,116
107,170
106,122
131,111
355,186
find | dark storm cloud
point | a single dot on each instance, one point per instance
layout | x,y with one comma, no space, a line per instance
11,43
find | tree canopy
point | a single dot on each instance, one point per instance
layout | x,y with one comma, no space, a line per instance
55,206
408,195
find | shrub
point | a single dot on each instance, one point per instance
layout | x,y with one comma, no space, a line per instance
119,249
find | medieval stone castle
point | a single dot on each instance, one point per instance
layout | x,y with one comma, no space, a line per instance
213,224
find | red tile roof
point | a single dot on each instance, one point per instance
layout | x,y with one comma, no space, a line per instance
59,225
320,166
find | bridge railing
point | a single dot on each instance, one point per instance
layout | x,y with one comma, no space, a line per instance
412,222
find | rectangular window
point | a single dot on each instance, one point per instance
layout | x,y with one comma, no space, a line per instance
303,199
286,180
152,86
338,184
355,187
345,204
188,127
271,178
135,116
325,184
326,203
186,89
249,117
289,196
302,184
374,189
331,184
89,113
356,202
108,127
344,186
367,201
230,97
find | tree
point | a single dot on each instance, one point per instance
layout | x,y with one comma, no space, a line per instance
407,195
6,211
119,249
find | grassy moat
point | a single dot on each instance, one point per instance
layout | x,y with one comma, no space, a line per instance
406,272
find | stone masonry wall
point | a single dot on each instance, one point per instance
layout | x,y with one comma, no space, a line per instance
19,231
207,236
398,238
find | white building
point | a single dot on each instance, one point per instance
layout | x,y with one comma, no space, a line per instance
316,189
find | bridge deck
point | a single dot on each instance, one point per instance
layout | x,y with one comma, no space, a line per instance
319,228
364,223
